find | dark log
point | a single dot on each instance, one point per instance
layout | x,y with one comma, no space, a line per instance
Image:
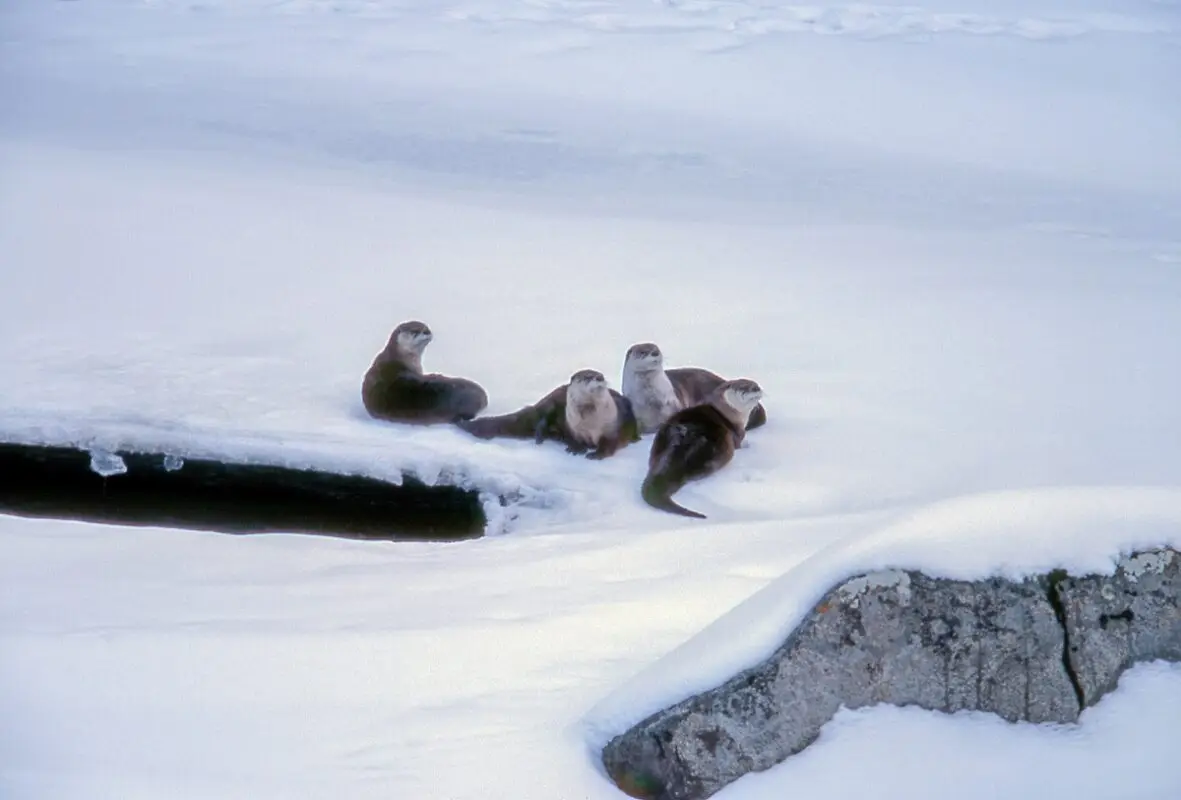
206,494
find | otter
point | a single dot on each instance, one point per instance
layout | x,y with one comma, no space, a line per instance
396,390
657,393
584,414
696,442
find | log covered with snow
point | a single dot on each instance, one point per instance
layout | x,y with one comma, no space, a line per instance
1039,649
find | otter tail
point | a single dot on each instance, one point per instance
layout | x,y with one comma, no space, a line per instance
518,425
483,427
657,492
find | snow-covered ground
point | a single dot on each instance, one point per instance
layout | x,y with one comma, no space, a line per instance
1014,534
945,238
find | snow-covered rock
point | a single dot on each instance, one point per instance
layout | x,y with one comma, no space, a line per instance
1037,650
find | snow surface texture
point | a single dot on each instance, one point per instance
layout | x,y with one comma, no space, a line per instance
943,237
150,663
1008,534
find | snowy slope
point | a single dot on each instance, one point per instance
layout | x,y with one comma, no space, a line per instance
942,236
1015,534
150,663
232,314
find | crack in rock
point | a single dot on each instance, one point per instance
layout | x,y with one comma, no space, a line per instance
1054,596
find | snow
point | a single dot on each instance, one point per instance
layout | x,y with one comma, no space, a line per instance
148,663
962,753
942,236
141,662
1015,534
856,369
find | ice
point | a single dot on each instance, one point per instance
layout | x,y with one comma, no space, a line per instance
106,463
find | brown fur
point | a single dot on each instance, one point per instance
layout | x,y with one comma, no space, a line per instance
694,386
690,386
396,390
692,444
548,419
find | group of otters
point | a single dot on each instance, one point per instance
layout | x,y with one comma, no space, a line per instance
699,418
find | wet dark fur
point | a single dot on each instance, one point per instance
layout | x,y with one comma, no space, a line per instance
395,392
692,444
694,386
546,420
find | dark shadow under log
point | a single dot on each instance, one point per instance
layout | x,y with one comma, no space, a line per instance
203,494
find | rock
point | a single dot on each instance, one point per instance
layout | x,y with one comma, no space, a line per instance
908,639
1112,622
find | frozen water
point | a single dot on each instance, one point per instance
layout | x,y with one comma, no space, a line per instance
106,463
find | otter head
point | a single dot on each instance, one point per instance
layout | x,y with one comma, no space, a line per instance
742,395
643,357
411,337
587,386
